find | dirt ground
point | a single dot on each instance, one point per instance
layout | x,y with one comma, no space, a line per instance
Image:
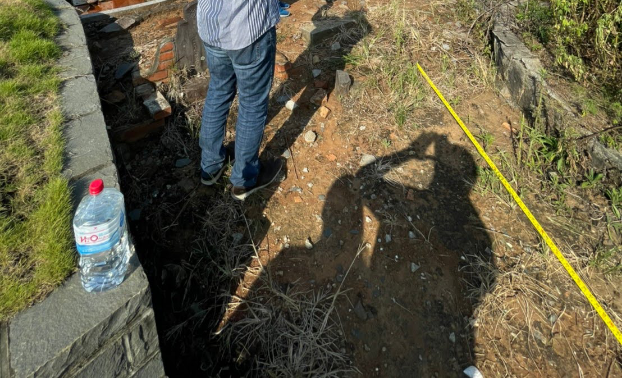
433,272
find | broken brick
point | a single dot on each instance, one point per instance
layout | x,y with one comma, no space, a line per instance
158,76
157,105
324,111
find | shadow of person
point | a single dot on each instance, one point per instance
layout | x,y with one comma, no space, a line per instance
411,287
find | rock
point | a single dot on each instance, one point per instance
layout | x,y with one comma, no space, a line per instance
342,83
318,97
445,46
181,163
360,311
310,136
315,59
414,267
326,232
305,170
124,69
322,197
296,189
388,238
336,46
291,105
339,278
320,30
366,159
452,337
287,154
126,22
368,219
316,72
410,195
324,111
411,235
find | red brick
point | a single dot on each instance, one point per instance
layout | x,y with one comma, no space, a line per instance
169,21
167,47
281,75
163,113
132,133
166,64
166,56
158,76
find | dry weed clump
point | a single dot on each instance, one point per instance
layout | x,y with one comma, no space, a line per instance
385,61
288,333
530,311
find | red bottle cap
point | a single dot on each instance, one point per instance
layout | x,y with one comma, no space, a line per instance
96,187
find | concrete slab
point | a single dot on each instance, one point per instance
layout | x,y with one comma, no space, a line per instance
75,62
49,337
318,31
80,96
87,147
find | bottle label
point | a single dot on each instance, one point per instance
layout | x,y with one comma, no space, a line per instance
100,238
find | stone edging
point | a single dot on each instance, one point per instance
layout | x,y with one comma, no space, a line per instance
74,333
520,71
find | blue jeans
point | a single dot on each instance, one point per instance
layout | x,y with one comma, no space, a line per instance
250,72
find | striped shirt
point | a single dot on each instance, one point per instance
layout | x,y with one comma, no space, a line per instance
235,24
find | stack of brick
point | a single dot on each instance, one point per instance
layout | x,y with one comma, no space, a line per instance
145,81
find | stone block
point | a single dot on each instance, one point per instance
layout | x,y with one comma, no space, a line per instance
75,62
87,146
128,351
157,105
151,369
80,97
317,31
144,90
50,338
342,84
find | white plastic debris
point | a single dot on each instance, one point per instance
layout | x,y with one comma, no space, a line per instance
473,372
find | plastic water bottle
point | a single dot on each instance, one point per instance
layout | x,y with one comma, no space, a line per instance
101,238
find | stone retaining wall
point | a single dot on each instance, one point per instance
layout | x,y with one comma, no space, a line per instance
520,71
73,333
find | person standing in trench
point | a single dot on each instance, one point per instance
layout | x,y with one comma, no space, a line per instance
240,42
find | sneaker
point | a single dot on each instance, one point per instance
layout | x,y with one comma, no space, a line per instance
268,173
284,12
211,179
283,5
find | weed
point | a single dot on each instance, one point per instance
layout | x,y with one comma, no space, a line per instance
591,179
614,195
386,143
486,138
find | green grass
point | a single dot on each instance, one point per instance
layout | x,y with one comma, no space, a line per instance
36,251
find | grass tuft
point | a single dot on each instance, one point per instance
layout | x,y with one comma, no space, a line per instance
35,234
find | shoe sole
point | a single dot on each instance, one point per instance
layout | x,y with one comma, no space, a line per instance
245,195
217,176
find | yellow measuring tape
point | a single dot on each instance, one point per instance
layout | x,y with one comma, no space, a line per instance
578,281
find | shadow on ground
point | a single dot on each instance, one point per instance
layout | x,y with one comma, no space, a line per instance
401,318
